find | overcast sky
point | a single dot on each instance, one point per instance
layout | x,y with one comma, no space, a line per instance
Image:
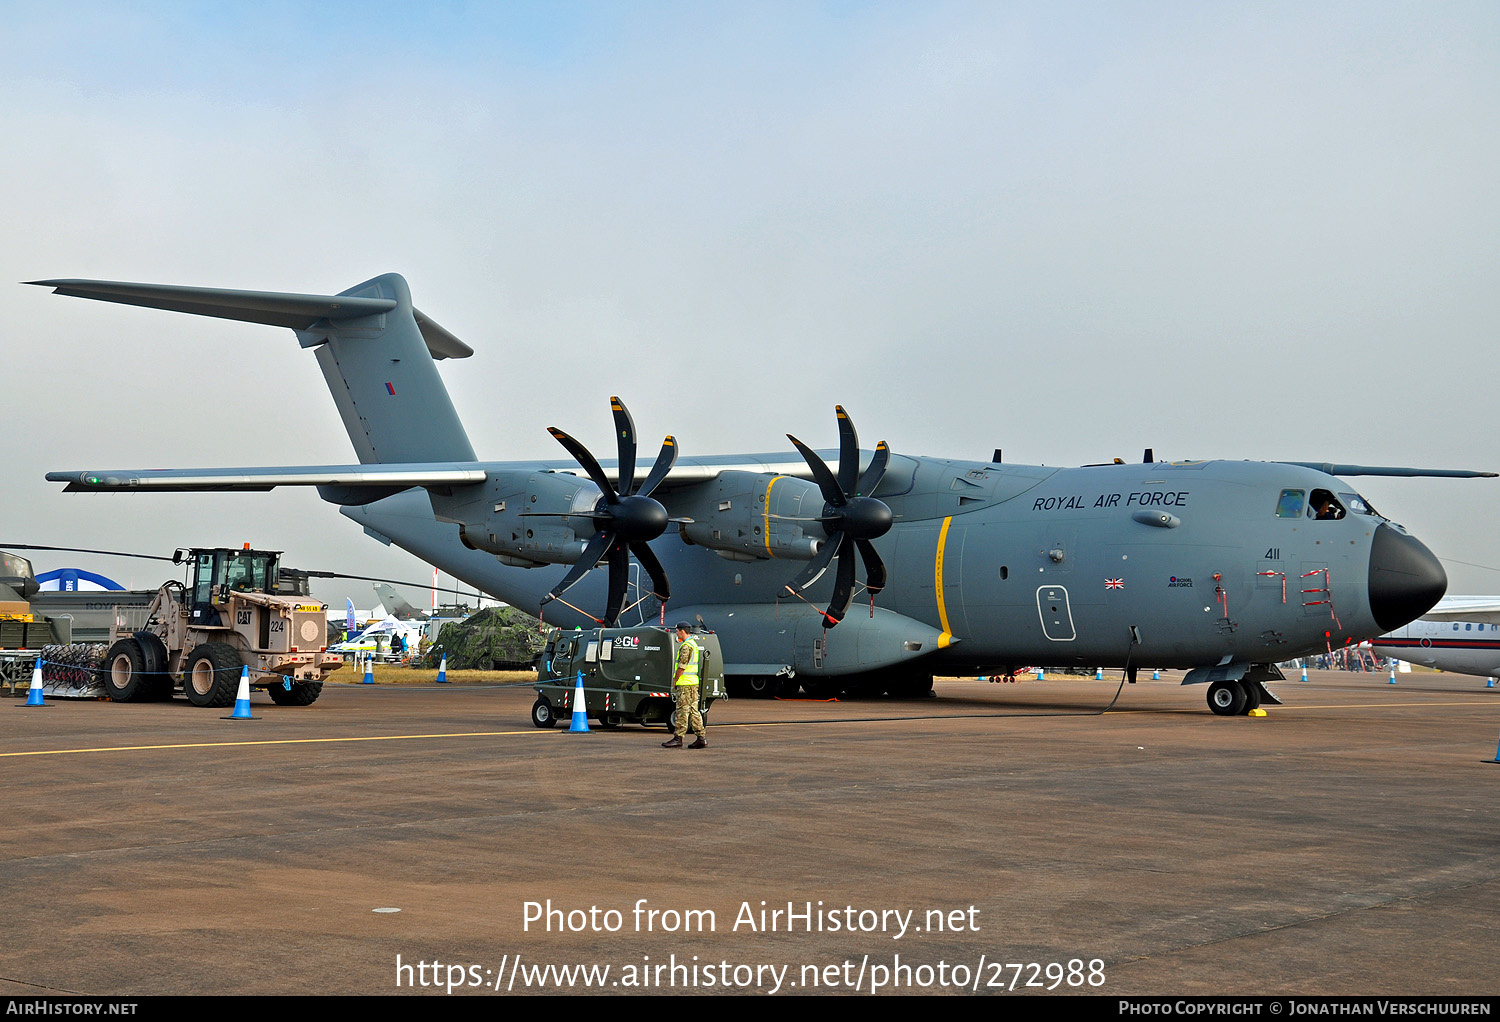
1258,231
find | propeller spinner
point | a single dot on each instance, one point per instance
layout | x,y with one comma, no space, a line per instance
627,518
851,517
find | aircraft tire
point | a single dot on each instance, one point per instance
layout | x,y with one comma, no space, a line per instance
125,679
823,688
303,693
542,714
760,687
610,722
1226,698
211,675
1252,695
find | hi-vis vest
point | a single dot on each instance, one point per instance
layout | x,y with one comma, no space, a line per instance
689,675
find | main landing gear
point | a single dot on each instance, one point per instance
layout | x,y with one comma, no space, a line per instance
1234,698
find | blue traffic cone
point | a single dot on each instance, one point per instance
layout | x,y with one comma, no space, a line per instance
369,671
1098,674
242,700
1040,674
1156,675
1489,683
1304,672
580,709
1497,756
443,671
1393,673
34,694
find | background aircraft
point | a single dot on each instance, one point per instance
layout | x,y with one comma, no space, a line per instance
1224,568
1461,634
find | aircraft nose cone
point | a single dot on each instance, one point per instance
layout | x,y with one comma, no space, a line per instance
1406,580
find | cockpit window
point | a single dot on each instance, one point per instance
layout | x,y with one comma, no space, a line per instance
1357,504
1290,504
1324,507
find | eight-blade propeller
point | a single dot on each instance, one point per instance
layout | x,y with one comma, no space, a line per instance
627,517
851,517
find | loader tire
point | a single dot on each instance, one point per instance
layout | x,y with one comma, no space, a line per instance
211,675
125,679
303,693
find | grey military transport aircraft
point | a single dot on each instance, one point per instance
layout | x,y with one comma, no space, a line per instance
969,568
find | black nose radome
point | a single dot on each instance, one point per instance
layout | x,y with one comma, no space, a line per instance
1406,580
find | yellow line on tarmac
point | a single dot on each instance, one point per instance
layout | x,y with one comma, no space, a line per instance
1358,706
273,741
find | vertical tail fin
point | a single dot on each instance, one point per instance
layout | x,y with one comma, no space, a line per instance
380,371
375,349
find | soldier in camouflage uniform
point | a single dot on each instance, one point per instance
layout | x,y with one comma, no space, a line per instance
685,688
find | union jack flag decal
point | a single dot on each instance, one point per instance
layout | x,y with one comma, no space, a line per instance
1114,583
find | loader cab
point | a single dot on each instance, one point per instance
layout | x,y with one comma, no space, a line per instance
214,574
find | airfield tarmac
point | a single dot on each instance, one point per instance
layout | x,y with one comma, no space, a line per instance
1347,843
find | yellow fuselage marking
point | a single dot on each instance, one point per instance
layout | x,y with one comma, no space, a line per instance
766,528
937,581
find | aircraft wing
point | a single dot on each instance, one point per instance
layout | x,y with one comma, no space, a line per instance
1484,609
390,478
1334,469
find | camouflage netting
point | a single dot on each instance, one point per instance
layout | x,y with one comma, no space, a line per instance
499,638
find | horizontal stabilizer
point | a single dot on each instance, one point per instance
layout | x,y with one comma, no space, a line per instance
273,308
384,476
1386,470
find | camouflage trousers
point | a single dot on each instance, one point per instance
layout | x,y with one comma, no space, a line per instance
688,716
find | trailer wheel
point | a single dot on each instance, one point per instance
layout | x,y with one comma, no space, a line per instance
542,714
211,676
125,672
303,693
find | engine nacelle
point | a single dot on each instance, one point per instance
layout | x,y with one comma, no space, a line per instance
526,520
744,516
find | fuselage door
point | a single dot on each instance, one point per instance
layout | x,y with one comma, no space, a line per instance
1057,618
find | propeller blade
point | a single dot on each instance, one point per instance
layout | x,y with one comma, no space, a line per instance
824,478
814,569
848,451
619,581
843,586
874,566
625,437
876,471
664,462
581,455
659,586
585,563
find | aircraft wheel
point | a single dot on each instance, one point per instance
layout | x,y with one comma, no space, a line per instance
761,687
542,714
609,723
1226,698
1252,695
822,688
125,672
303,693
211,676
